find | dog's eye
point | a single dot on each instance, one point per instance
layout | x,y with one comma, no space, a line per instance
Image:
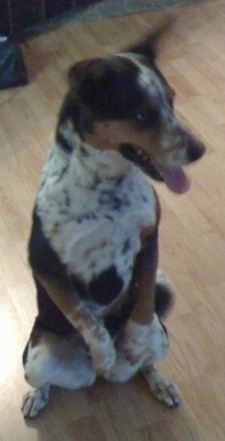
147,118
142,116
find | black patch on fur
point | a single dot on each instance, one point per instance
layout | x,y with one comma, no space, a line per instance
49,316
59,175
126,246
73,110
106,287
86,216
84,152
67,198
64,143
114,322
69,110
117,203
108,197
44,261
163,299
95,183
42,258
110,89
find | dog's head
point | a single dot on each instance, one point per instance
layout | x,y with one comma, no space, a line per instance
127,105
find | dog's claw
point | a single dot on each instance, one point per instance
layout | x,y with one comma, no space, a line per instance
34,401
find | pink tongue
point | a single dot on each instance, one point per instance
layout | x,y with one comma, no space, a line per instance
175,179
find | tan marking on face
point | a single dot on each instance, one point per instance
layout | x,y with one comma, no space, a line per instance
166,145
159,145
110,134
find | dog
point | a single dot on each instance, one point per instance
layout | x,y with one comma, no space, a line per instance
93,248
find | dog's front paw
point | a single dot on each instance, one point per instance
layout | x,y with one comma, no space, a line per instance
104,358
34,401
141,343
132,350
137,346
161,387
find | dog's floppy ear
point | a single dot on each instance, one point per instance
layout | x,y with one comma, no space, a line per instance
87,70
149,45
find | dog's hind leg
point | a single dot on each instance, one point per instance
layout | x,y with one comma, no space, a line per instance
50,359
160,386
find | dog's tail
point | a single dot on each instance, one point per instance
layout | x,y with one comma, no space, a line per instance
164,295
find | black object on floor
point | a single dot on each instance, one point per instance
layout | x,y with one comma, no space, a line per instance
13,71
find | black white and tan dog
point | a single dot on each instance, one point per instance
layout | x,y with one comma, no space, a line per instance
93,246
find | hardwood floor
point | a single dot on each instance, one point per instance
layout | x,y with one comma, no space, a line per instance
192,237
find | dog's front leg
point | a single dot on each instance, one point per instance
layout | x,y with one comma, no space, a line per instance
143,337
95,335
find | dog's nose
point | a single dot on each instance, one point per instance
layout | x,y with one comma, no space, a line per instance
195,150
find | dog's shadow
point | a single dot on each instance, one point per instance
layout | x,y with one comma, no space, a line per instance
111,411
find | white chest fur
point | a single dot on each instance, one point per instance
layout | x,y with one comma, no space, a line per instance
93,206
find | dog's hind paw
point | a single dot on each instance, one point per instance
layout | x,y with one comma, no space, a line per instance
161,387
34,401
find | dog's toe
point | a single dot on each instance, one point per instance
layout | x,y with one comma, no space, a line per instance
162,388
167,393
34,401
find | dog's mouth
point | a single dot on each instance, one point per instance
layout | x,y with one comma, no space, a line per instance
174,177
137,155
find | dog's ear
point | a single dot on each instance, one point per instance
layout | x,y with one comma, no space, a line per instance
87,70
149,45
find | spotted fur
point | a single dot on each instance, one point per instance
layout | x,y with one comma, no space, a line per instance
93,248
85,210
